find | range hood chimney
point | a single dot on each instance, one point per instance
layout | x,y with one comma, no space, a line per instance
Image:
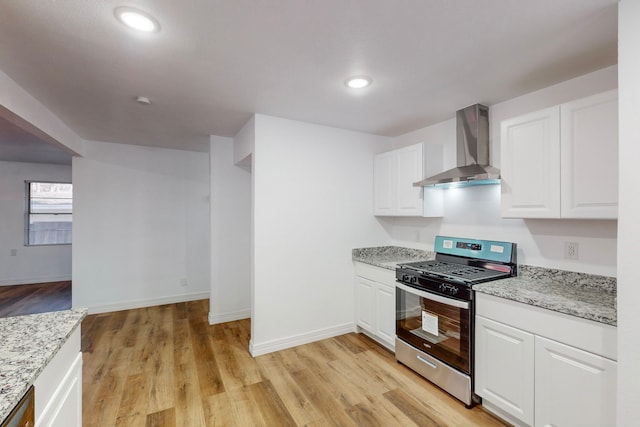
472,147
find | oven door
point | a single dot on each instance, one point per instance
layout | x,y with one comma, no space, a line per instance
435,324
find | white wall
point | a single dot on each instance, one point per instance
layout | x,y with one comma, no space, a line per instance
32,264
244,142
141,225
475,212
313,201
629,212
230,235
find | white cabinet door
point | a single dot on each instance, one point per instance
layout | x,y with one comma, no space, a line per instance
505,368
385,323
562,162
65,408
394,174
573,387
589,177
375,305
408,198
530,170
384,182
58,395
365,303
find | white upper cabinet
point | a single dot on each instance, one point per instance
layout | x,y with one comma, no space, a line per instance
561,162
589,157
394,174
530,153
384,179
409,198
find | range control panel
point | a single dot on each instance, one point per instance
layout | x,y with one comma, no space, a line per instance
490,250
469,246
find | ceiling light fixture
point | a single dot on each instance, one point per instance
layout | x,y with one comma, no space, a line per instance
143,100
137,19
358,82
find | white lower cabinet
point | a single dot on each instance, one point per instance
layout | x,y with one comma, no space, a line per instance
364,303
505,368
375,303
58,389
385,313
573,387
528,379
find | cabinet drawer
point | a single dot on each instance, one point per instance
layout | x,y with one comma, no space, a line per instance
377,274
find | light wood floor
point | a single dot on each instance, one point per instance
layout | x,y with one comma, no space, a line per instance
17,300
165,366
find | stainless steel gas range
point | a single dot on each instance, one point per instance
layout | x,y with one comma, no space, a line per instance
435,309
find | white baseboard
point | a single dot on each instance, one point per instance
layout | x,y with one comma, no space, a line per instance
214,319
31,280
128,305
258,349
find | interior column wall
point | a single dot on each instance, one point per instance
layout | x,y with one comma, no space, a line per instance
313,203
141,226
628,225
230,235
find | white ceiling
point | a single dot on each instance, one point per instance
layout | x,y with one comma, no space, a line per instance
217,62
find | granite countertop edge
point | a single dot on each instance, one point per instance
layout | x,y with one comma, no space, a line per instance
389,256
582,295
29,343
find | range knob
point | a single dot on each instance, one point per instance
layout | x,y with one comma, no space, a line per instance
405,277
414,279
448,289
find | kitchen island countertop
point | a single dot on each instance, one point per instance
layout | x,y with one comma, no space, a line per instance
27,345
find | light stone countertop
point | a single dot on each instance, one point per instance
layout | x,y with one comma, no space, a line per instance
27,345
389,256
582,295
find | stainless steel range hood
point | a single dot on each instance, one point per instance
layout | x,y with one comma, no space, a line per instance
472,147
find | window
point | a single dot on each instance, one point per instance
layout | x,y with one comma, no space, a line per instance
48,213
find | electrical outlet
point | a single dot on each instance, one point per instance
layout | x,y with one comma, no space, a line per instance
184,282
571,250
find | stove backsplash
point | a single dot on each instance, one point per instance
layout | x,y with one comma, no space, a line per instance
475,212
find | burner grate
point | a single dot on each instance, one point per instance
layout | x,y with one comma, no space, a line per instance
457,271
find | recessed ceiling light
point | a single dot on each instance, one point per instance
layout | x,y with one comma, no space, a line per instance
358,82
143,100
137,19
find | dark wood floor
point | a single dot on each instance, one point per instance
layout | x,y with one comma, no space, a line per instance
17,300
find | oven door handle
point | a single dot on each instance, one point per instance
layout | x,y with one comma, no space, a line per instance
433,297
